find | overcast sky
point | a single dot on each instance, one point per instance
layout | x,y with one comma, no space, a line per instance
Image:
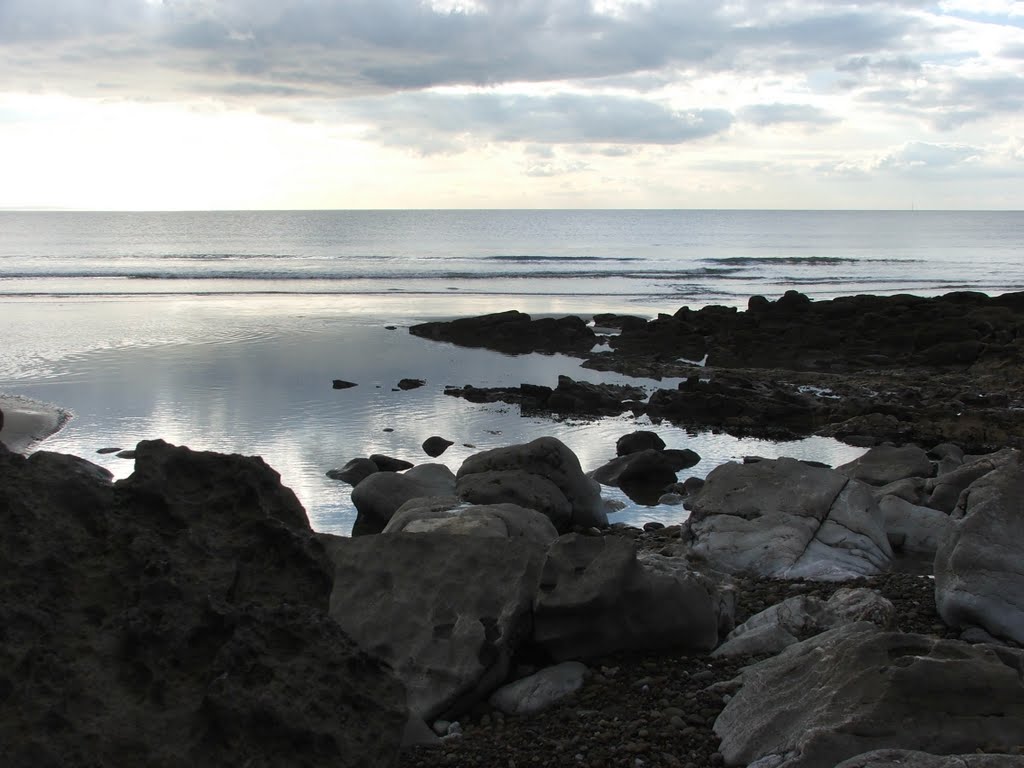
214,104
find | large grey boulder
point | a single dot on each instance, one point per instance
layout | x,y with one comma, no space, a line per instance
549,458
787,519
802,616
856,688
447,612
886,464
944,490
912,528
979,577
177,617
446,514
378,496
515,486
596,597
905,758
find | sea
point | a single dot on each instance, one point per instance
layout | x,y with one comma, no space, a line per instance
224,330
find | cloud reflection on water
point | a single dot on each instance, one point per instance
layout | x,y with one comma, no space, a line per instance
260,384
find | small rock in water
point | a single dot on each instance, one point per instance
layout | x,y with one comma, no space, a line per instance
435,446
653,526
126,455
390,327
388,429
411,384
342,384
107,450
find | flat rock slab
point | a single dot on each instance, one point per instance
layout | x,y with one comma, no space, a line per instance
856,688
787,519
886,464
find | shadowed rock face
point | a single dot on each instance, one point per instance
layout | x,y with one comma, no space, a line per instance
175,618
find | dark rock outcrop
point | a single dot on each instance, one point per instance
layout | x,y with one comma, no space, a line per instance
435,445
513,332
175,618
569,398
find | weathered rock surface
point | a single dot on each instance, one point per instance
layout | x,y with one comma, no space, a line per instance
886,464
802,616
512,332
904,758
515,486
979,572
549,458
786,519
175,618
596,597
855,689
540,690
944,491
379,495
446,514
446,611
912,528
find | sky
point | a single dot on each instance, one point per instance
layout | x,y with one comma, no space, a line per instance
308,104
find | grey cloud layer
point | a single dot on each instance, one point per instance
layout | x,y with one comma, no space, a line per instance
375,61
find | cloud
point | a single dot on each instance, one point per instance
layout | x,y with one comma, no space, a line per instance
922,156
564,118
764,115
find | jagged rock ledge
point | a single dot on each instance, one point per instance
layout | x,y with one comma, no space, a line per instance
188,615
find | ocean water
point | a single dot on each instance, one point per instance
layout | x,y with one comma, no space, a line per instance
223,331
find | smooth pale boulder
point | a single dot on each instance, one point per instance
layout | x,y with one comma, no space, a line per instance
447,514
540,690
517,487
549,458
886,464
857,688
906,758
787,519
912,528
597,596
447,612
979,578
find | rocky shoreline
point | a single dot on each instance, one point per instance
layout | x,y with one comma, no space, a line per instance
863,616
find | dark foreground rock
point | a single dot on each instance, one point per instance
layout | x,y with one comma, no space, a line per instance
176,618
